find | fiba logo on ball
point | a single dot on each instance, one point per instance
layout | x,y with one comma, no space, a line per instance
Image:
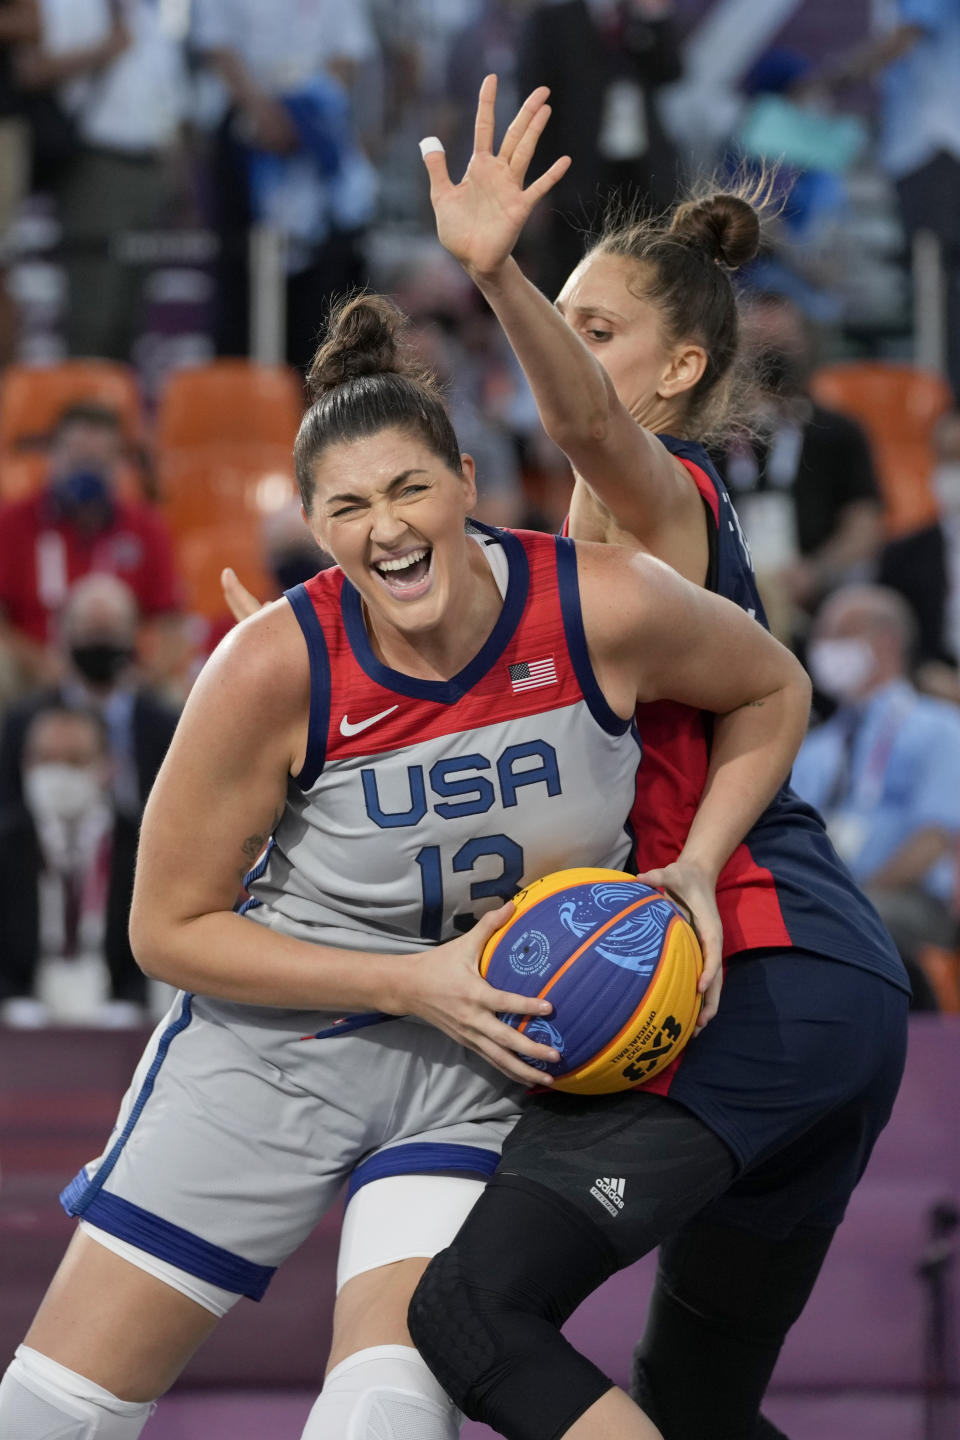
530,954
544,1033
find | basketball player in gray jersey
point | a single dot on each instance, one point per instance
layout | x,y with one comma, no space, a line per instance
398,745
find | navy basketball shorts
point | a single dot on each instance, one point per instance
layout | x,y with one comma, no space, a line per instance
796,1076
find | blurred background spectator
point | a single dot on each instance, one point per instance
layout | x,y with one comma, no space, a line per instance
804,488
604,61
916,56
75,525
116,72
96,647
884,770
19,24
66,882
287,155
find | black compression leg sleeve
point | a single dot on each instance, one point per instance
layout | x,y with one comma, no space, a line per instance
723,1303
487,1314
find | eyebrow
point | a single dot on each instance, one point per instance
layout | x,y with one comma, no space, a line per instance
601,310
395,483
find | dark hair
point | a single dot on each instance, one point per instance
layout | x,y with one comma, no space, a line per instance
364,379
688,256
88,412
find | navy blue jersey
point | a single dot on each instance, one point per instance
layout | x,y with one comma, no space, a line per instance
784,886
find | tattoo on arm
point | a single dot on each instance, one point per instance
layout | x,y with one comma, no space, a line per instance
253,844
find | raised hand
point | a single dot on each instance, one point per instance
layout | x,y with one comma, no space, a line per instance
479,220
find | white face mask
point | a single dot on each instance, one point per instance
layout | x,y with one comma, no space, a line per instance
61,792
840,668
946,486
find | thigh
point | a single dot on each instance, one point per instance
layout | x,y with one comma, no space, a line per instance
635,1166
112,1322
371,1309
218,1164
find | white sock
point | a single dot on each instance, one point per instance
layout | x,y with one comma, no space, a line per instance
383,1393
43,1400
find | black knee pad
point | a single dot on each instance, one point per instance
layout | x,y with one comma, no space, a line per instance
486,1315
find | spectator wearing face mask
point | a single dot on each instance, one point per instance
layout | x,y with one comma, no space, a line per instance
884,770
66,882
77,525
97,645
805,488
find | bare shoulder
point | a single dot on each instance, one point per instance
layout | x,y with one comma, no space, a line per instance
618,585
259,674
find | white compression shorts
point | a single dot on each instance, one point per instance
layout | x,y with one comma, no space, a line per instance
400,1217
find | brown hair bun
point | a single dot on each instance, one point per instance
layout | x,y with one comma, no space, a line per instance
363,338
726,227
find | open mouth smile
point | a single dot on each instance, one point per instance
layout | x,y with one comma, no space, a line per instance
406,576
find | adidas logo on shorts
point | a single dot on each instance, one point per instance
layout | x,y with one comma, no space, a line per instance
609,1193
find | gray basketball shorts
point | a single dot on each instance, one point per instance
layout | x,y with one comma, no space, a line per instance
242,1123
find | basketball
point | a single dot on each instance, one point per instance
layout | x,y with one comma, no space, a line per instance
620,965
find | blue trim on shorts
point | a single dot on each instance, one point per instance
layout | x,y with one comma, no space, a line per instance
318,725
348,1024
422,1158
76,1199
569,583
255,874
252,904
177,1246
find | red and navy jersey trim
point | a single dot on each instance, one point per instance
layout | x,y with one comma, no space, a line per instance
569,582
319,721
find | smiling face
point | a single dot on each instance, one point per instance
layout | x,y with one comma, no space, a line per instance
391,513
603,302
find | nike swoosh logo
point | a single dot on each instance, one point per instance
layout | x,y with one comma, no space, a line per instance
348,729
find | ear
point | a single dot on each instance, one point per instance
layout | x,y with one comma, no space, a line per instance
682,371
468,479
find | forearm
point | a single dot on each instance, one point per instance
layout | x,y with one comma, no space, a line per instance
39,70
909,863
752,752
233,958
573,393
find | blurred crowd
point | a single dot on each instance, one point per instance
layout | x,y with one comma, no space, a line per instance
147,147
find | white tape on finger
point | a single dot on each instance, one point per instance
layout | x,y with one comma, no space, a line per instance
429,145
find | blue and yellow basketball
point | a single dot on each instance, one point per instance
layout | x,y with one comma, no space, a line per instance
620,965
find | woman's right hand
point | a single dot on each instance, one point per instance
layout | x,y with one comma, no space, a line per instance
444,987
479,220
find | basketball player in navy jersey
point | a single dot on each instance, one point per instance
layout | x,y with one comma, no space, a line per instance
377,726
738,1160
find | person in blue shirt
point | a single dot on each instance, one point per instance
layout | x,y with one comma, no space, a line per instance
916,55
884,770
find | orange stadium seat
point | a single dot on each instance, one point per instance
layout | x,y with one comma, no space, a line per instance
234,402
31,398
202,553
898,406
224,484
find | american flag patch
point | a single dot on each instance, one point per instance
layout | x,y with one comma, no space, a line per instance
529,674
